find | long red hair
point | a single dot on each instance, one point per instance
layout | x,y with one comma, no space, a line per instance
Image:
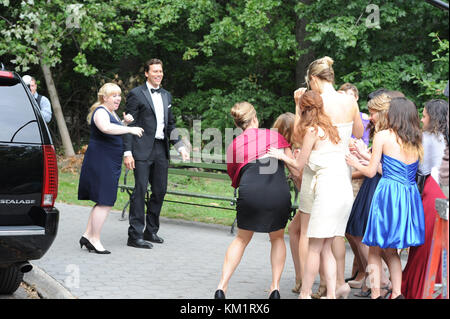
312,114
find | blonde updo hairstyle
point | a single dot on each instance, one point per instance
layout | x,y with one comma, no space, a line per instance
105,91
321,68
243,113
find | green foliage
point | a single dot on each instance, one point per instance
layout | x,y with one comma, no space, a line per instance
397,53
213,106
217,53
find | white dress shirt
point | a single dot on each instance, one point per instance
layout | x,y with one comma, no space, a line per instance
159,111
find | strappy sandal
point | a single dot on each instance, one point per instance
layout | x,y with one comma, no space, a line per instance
362,293
298,286
321,292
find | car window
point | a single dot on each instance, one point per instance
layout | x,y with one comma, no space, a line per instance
17,121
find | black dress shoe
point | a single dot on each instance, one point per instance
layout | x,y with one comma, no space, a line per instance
139,243
275,294
219,294
153,238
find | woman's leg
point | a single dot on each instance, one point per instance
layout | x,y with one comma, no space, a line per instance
96,220
359,266
395,269
385,281
363,251
304,240
374,270
294,243
338,249
322,290
88,226
233,256
311,266
329,267
277,257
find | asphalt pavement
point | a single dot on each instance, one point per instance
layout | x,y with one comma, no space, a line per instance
186,266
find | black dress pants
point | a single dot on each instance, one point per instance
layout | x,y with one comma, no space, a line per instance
153,171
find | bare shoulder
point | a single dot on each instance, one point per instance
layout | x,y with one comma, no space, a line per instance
101,111
313,133
384,136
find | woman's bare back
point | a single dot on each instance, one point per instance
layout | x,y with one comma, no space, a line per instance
342,108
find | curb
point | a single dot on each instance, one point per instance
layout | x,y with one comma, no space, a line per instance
46,286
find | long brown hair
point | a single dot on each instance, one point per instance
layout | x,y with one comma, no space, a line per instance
285,125
313,115
437,111
403,120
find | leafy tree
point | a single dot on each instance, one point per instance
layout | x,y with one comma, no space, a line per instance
34,31
217,52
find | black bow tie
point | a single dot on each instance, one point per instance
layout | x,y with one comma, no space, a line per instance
158,90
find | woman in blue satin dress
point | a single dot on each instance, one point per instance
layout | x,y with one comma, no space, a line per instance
396,216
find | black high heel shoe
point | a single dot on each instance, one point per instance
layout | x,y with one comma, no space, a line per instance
85,242
219,294
353,277
275,294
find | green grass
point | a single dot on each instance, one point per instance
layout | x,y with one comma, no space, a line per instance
68,193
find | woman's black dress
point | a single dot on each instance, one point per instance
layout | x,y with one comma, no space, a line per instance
102,166
264,200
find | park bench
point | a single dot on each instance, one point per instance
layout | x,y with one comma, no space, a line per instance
211,170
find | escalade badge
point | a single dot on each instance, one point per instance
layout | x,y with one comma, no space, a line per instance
17,201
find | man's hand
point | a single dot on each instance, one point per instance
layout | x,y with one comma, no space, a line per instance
129,162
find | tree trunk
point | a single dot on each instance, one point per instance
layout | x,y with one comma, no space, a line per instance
57,111
305,59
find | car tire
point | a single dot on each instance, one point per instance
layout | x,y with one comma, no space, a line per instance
10,279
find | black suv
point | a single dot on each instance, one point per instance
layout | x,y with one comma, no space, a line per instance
28,182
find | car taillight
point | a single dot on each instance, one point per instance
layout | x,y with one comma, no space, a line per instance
6,74
50,186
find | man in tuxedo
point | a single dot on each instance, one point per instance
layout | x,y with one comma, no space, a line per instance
150,106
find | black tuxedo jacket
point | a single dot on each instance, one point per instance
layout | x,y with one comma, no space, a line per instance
139,104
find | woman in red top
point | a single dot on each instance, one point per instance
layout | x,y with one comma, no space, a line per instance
264,200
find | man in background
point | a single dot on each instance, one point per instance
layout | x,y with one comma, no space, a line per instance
42,101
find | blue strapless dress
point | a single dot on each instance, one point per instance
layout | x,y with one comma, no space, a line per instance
396,217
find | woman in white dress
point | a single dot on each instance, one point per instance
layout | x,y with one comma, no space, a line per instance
344,113
330,189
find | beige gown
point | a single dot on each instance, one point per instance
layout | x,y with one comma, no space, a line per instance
330,187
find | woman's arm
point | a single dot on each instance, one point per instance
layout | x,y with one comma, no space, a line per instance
357,175
377,150
101,120
299,163
358,126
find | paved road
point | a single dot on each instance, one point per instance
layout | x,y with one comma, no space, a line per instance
187,265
